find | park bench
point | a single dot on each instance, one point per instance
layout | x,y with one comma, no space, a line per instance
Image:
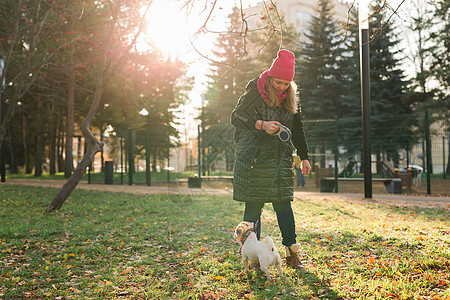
393,185
195,182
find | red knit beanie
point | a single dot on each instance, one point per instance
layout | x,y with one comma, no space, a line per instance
283,67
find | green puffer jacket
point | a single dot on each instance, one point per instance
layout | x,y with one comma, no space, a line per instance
263,170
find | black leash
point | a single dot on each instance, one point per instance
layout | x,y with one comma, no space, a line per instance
284,135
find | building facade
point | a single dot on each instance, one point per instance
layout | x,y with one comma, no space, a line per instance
297,12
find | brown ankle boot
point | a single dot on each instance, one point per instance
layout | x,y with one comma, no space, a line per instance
292,258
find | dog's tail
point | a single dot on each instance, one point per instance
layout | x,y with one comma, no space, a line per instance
268,240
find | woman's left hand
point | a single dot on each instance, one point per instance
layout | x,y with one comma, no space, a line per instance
306,167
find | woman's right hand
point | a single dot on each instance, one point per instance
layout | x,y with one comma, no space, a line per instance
271,127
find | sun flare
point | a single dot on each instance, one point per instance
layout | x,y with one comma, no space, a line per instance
169,29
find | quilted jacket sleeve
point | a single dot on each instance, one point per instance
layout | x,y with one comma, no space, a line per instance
245,115
298,136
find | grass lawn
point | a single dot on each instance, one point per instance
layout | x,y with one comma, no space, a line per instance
104,245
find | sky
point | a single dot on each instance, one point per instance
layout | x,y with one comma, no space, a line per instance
170,25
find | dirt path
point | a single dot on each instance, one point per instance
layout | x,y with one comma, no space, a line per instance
226,190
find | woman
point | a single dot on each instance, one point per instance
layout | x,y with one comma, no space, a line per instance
263,169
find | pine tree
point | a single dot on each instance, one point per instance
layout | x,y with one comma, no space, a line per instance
441,63
231,71
391,119
275,35
235,67
350,124
319,75
441,68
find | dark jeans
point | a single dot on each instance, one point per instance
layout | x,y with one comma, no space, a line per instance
300,177
285,217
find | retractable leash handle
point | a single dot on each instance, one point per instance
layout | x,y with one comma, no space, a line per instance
285,135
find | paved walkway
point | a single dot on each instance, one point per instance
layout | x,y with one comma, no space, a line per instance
390,199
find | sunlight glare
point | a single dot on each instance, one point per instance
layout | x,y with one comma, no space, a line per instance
168,30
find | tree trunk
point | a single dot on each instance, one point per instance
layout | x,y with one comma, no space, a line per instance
60,145
25,144
448,157
70,124
154,164
53,151
79,150
39,140
102,160
13,166
94,145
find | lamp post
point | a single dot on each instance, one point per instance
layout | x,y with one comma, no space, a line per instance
365,93
2,108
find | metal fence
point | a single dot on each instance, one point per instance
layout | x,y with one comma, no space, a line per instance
397,144
138,157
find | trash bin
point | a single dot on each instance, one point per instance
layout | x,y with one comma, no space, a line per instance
194,182
109,172
326,185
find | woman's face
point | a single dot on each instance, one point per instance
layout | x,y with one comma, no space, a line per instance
280,85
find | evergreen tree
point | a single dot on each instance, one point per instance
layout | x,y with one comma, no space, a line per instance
391,119
319,75
420,24
230,73
441,68
275,34
319,65
350,124
240,58
441,55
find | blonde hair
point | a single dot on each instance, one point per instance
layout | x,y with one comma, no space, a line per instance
290,103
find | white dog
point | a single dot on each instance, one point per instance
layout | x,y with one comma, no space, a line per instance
256,251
